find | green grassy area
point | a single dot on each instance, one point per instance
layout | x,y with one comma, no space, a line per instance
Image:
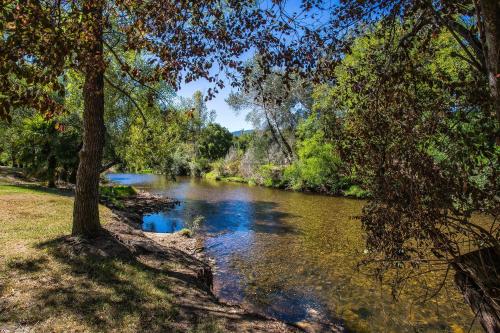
213,175
114,193
117,191
234,179
48,287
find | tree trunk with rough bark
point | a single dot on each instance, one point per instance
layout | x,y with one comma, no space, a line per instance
477,276
86,208
490,10
51,170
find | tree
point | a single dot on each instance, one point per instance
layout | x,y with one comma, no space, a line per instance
276,103
322,43
181,40
415,135
214,142
320,36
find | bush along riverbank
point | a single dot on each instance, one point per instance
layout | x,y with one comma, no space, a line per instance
312,164
284,178
122,281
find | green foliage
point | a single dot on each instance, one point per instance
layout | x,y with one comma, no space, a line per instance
214,142
212,175
417,131
117,191
234,179
270,175
185,232
357,192
199,166
46,148
318,165
114,194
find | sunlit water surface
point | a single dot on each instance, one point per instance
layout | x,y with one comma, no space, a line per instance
286,253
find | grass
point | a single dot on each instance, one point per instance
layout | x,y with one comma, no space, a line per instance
186,232
45,288
117,191
234,179
212,175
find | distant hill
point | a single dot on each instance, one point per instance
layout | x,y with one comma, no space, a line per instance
241,132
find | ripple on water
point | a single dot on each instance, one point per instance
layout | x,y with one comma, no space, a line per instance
290,255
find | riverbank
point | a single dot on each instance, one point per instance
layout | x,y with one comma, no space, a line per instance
123,281
352,192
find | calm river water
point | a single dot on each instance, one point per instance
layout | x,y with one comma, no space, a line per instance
290,254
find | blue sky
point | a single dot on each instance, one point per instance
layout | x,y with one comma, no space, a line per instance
225,116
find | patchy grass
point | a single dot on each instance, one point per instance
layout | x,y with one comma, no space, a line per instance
185,232
46,287
234,179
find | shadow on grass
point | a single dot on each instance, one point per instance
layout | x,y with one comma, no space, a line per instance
100,283
28,265
41,189
101,286
106,286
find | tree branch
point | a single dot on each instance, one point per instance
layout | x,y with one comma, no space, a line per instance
129,97
108,165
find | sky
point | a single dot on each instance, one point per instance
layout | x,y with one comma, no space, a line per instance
225,116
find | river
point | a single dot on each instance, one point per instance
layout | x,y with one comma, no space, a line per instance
293,256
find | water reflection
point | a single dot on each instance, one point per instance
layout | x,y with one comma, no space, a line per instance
287,253
161,222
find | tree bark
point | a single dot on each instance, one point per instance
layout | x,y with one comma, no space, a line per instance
477,276
490,10
86,207
275,137
285,142
51,170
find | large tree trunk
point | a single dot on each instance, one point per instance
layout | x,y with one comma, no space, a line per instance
86,207
51,170
477,276
490,10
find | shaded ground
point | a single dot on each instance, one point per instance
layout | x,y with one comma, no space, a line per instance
121,282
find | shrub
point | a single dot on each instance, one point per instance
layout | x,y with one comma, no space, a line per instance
186,233
212,175
231,163
117,192
199,166
235,179
114,194
357,192
317,166
270,175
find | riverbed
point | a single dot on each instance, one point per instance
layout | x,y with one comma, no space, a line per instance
294,256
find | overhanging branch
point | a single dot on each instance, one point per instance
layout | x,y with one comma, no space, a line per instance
129,97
